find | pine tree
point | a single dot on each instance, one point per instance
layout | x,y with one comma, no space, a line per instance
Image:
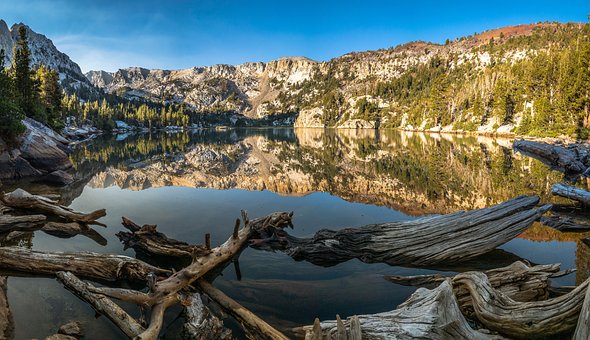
51,96
24,84
10,114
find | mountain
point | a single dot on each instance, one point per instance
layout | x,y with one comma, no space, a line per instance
44,52
512,79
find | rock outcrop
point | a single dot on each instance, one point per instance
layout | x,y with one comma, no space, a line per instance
41,153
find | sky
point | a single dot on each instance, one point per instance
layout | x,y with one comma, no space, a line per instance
174,34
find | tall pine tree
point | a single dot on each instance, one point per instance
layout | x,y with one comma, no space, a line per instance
10,113
26,89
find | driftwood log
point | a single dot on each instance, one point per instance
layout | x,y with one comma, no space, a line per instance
101,304
200,323
6,321
423,242
23,200
67,230
572,160
9,223
571,192
498,312
165,293
101,267
518,281
427,314
583,326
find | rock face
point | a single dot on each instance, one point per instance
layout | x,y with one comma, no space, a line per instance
41,152
44,52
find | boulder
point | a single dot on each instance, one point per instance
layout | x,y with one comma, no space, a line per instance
58,177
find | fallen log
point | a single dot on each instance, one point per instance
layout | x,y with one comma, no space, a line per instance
427,314
146,240
6,321
165,293
583,326
500,313
568,160
518,281
200,323
565,223
427,241
101,304
101,267
256,327
23,200
9,223
571,192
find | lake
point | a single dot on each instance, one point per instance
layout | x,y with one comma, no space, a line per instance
196,182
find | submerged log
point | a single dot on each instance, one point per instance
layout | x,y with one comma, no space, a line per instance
565,223
426,241
67,230
571,192
200,323
23,200
518,281
427,314
101,304
255,326
496,311
6,321
567,160
101,267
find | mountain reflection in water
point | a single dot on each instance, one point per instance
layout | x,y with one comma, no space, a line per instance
330,179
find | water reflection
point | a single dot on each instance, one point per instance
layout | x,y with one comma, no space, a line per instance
331,179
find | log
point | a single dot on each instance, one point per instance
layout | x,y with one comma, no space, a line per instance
565,223
6,320
427,241
23,200
498,312
199,322
518,281
101,304
583,326
567,160
571,192
256,327
164,294
147,240
101,267
9,223
427,314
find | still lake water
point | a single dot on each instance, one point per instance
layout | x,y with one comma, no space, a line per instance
196,182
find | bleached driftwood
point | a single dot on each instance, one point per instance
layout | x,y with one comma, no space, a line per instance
200,323
427,314
498,312
102,267
518,281
101,304
23,200
583,326
165,293
571,192
426,241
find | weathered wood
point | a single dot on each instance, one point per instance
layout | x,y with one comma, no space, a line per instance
571,192
426,241
24,200
165,293
199,322
427,314
565,223
148,240
518,281
9,223
583,326
102,267
256,327
499,312
6,321
564,159
101,304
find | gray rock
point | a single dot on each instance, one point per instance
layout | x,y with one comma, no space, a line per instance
73,328
58,177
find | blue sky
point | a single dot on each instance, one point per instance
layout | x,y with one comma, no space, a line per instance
177,34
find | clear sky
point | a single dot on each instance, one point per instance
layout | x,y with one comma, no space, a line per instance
175,34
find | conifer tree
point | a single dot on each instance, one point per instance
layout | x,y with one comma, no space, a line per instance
10,114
